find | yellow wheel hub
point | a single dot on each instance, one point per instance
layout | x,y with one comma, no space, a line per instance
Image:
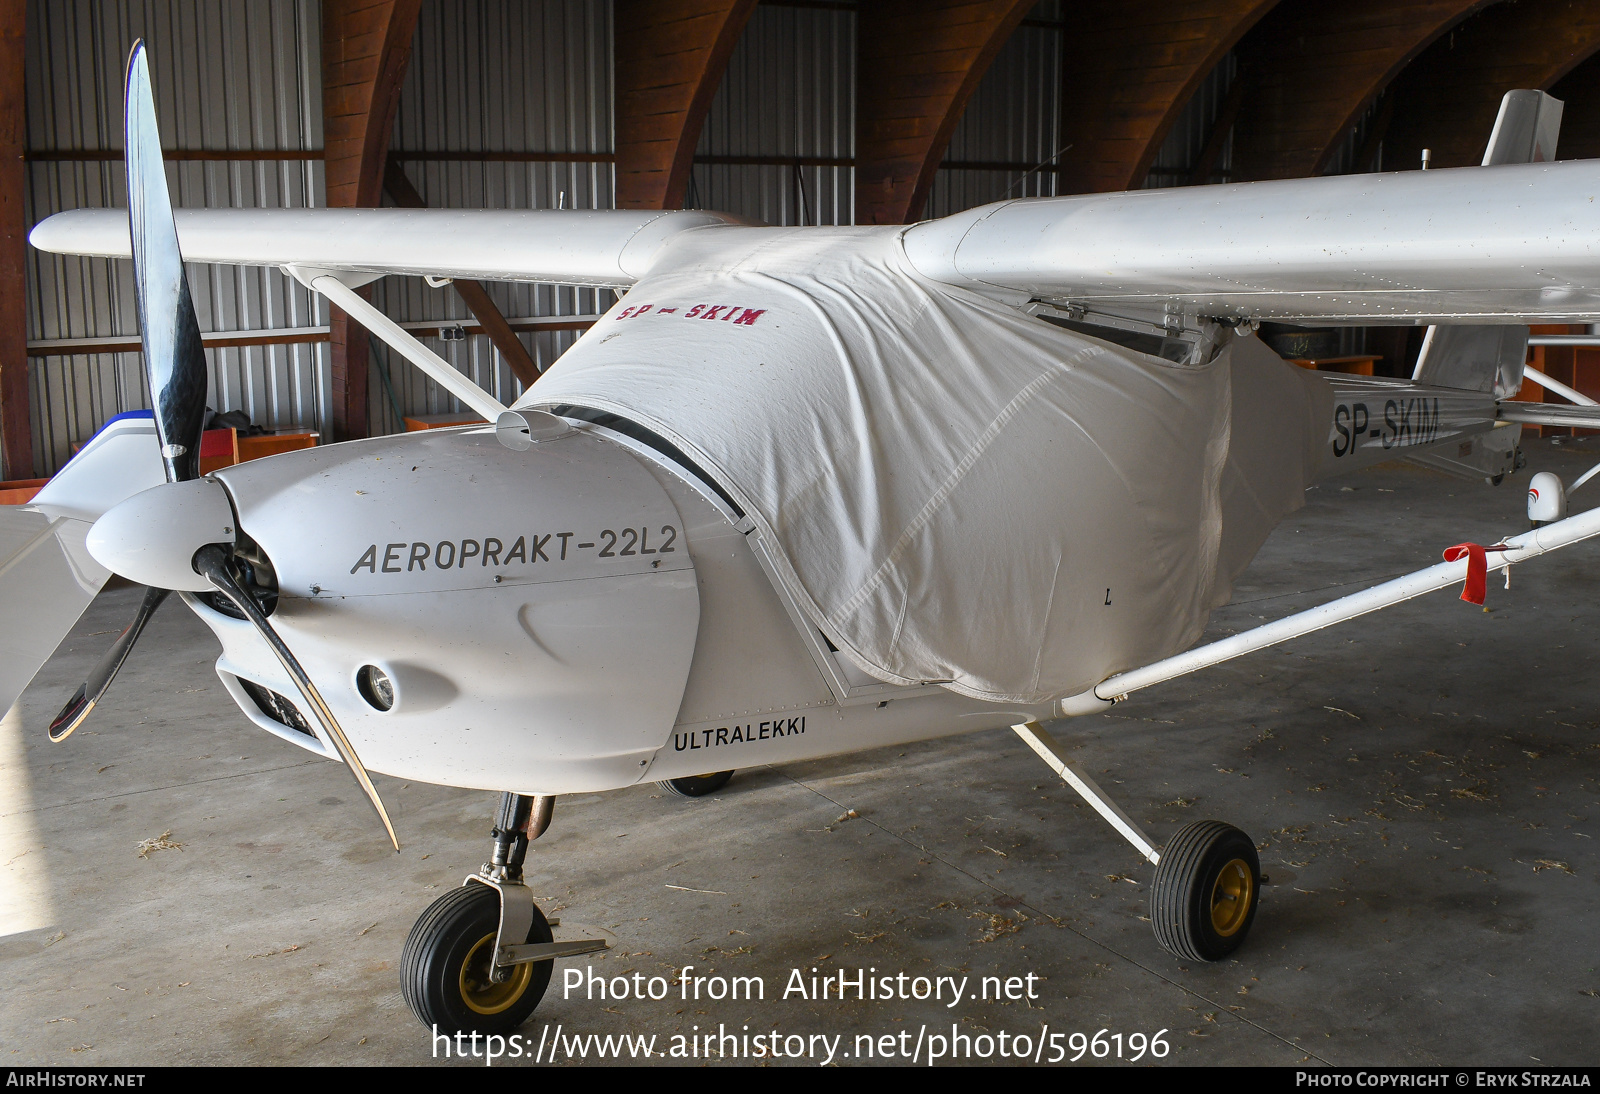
1231,897
480,993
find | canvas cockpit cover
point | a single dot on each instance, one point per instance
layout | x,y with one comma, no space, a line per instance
954,491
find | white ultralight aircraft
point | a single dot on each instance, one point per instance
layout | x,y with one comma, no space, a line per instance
802,491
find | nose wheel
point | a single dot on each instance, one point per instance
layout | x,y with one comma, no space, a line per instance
696,786
479,959
446,968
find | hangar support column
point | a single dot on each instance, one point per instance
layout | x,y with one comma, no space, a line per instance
1314,67
16,434
366,47
670,56
918,62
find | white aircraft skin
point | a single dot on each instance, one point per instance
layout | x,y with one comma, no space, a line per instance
562,602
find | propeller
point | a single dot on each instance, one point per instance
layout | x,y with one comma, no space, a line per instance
94,688
174,358
181,535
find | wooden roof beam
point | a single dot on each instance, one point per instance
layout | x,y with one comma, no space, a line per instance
1580,120
1128,69
1315,67
670,59
918,62
366,48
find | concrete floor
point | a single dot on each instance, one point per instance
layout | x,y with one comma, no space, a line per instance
1424,785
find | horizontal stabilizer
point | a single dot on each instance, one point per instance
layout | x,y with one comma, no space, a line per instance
1553,414
604,248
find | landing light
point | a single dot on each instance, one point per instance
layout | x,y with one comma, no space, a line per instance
375,687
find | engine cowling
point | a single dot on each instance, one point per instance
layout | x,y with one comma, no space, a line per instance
528,617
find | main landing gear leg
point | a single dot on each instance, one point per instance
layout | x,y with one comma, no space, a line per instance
479,959
1208,877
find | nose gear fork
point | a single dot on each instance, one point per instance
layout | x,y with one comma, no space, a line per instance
522,819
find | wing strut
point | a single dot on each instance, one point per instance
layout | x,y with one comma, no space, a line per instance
399,339
1539,541
1073,774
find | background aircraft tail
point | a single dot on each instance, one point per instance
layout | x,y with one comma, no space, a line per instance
1490,357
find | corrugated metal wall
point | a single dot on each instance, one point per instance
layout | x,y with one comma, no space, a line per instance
513,79
244,74
789,96
1013,117
789,93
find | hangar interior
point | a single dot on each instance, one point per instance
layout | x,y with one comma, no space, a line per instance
1439,910
809,112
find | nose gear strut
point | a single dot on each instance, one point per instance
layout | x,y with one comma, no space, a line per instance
522,819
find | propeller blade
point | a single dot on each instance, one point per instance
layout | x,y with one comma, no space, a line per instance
212,562
91,691
174,359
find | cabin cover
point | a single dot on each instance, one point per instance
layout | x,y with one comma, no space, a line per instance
954,491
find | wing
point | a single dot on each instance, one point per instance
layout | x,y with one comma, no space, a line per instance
608,248
1509,244
1517,243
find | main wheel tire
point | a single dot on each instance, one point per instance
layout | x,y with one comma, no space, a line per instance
696,786
444,967
1206,890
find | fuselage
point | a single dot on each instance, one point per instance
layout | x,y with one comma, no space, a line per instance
578,616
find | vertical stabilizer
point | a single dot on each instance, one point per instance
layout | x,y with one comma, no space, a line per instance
1490,358
1478,357
1526,130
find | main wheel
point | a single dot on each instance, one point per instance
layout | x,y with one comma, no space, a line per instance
696,786
1206,889
444,967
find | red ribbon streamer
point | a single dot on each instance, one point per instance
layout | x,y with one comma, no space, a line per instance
1477,568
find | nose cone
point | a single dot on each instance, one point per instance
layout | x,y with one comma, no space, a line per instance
152,537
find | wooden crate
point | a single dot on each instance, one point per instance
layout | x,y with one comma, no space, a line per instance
441,421
1576,366
1360,364
20,491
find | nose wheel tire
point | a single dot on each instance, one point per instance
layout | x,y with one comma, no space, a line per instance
696,786
1206,889
444,967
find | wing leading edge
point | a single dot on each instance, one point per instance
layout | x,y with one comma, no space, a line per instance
608,248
